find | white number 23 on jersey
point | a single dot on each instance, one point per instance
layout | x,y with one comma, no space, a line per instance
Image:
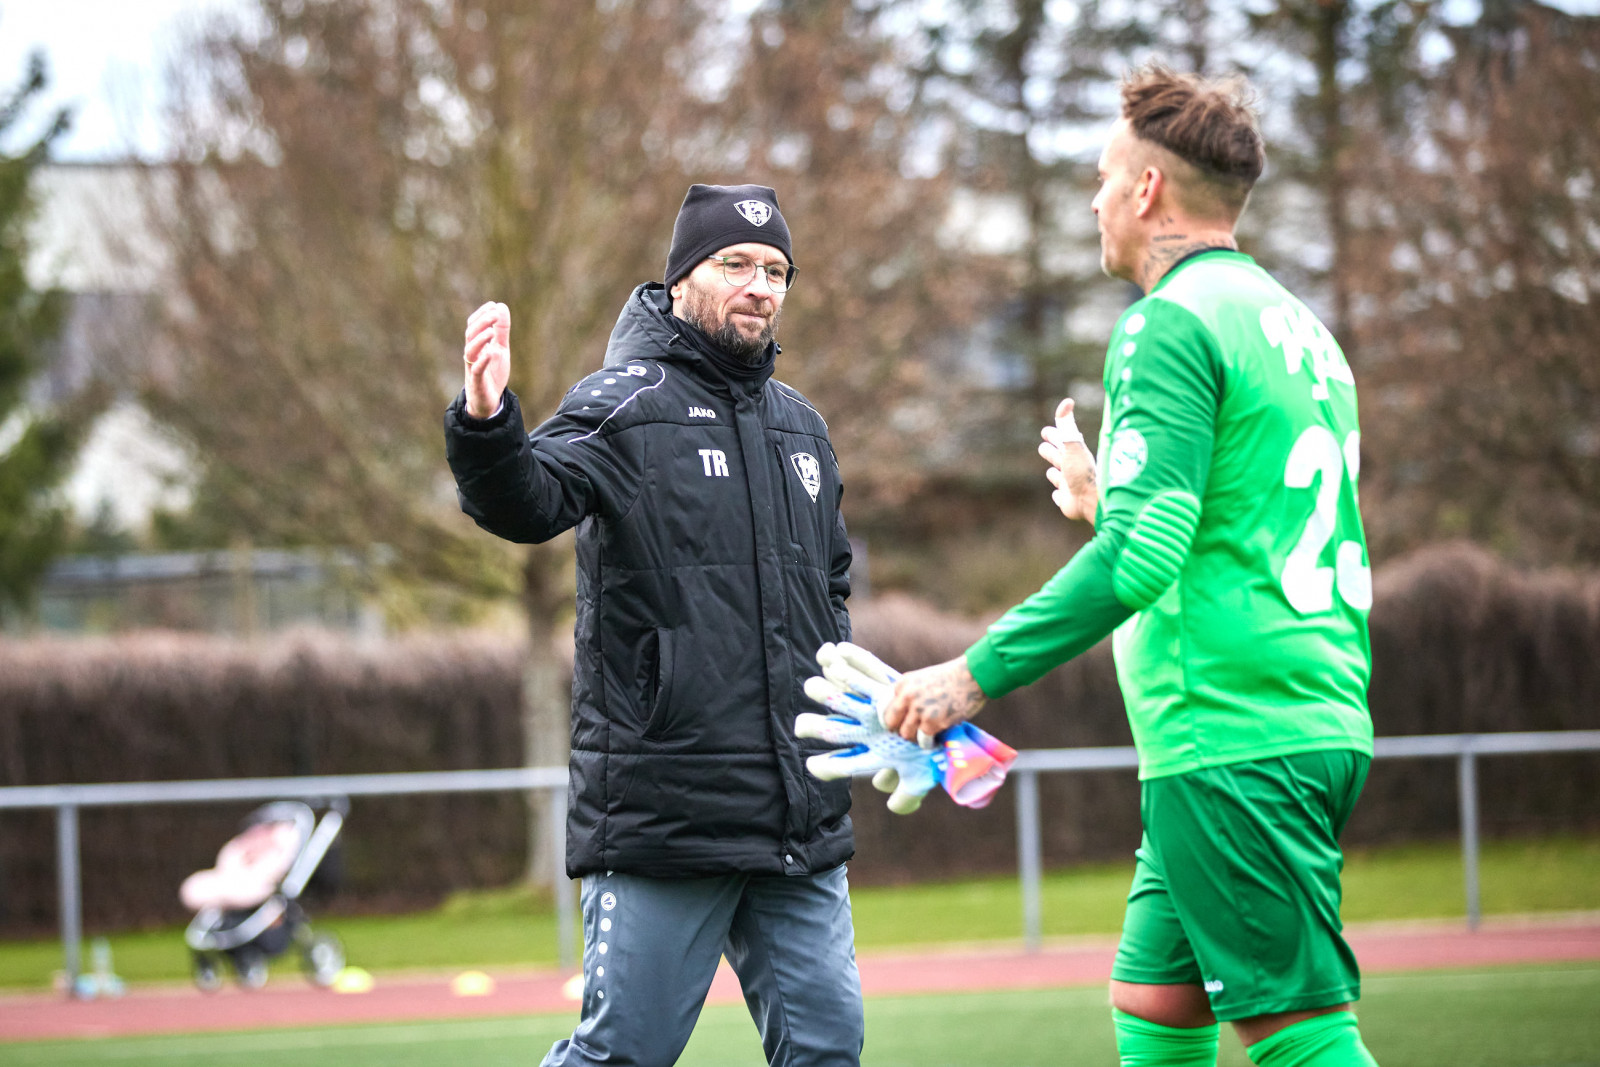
1307,584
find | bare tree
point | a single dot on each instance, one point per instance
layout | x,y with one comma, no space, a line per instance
1020,82
1481,276
819,107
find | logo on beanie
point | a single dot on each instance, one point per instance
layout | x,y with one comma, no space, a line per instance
757,212
809,470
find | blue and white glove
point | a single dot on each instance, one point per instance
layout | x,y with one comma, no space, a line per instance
855,687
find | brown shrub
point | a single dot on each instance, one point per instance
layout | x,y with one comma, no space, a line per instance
166,706
1464,643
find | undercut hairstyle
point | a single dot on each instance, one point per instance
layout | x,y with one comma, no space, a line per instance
1208,123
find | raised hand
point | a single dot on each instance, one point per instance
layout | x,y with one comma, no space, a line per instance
1072,468
488,358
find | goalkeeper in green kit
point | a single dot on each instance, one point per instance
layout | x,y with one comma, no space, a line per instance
1229,562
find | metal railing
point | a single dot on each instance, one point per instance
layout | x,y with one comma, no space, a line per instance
68,800
1464,748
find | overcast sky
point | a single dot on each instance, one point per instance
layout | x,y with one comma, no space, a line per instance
105,60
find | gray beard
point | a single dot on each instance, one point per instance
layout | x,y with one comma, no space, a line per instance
749,351
746,350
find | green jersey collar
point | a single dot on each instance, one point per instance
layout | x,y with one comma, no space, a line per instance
1195,255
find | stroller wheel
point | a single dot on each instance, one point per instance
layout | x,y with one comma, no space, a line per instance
323,959
207,977
251,968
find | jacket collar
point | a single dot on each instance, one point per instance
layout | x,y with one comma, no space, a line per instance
647,328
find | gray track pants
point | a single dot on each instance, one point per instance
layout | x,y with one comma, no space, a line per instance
651,947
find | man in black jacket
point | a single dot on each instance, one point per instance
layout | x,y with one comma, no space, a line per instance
712,563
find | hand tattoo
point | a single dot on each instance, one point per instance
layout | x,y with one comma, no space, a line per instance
942,696
1082,481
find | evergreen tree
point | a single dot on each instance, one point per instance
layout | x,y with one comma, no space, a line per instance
36,449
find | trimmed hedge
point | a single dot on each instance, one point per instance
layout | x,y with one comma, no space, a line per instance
163,707
1461,642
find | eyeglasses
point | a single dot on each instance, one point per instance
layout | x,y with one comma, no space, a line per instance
740,270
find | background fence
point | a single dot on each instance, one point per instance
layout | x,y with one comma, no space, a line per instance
1464,748
68,800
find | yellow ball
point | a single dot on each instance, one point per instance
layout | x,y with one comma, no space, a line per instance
352,980
472,984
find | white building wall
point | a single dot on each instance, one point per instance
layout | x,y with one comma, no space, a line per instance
91,237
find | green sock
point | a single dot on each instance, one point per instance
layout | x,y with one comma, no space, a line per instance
1331,1040
1147,1044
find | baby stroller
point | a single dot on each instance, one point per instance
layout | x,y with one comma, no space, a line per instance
247,907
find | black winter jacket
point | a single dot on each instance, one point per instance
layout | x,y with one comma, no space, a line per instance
712,562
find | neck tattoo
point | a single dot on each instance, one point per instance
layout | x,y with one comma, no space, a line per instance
1168,249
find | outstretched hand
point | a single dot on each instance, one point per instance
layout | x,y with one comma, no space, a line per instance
488,358
1072,466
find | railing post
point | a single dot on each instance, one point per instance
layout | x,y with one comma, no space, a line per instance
70,886
1028,857
560,884
1467,785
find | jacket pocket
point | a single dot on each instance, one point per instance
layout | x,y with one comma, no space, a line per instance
660,718
797,548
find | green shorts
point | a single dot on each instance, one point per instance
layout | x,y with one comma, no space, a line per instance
1237,884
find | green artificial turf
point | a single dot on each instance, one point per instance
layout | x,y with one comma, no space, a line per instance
514,927
1504,1017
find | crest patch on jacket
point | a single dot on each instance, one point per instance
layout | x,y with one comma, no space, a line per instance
809,470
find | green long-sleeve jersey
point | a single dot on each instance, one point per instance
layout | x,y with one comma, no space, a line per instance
1228,556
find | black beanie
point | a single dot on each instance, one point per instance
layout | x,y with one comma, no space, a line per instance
716,216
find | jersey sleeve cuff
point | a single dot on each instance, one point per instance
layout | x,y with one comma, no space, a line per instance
989,670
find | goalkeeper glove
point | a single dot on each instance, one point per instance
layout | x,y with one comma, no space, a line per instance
856,686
